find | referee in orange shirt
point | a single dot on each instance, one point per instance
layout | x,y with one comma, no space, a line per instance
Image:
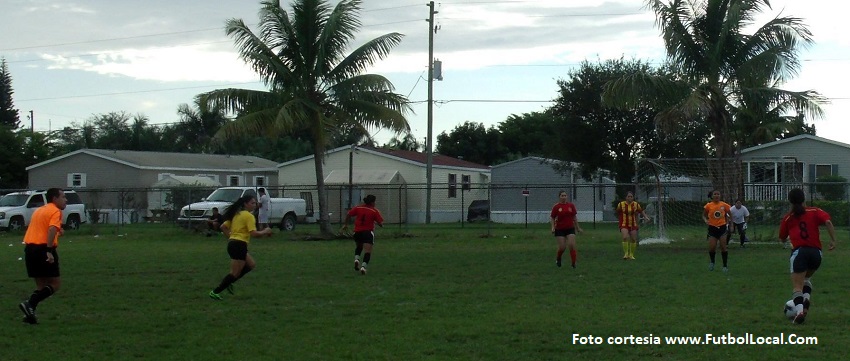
42,260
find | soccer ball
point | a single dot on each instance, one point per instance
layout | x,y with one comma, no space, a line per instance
790,311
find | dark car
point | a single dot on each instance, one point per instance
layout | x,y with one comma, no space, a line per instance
479,210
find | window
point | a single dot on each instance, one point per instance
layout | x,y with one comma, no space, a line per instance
162,176
234,180
210,176
466,182
452,185
76,180
259,181
823,170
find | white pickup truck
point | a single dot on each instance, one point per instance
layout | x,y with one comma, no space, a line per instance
285,212
17,208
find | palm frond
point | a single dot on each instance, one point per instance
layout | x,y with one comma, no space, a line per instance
338,31
234,100
367,54
254,51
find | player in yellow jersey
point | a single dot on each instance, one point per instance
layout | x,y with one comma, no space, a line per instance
239,226
628,212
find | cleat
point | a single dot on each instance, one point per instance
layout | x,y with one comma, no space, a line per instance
215,296
363,271
29,313
801,317
725,270
573,265
711,266
806,304
356,264
558,263
632,257
230,288
626,256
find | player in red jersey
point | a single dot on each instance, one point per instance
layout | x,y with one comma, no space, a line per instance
801,225
628,212
366,216
564,227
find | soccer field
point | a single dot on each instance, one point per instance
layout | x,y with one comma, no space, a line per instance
440,292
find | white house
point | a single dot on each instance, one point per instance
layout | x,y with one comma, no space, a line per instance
399,176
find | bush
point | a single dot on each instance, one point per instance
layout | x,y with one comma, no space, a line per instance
831,187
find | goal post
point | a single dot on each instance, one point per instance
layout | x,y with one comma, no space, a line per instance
675,190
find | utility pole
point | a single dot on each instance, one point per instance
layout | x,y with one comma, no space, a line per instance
32,123
430,142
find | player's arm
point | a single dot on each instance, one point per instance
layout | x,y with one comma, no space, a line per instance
705,215
831,230
225,229
575,221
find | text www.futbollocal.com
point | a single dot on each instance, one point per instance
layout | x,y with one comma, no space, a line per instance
707,339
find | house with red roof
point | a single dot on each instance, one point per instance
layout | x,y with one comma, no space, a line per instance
398,178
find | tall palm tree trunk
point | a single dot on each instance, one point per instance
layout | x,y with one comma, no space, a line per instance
324,217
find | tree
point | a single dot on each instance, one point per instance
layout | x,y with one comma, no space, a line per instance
312,85
408,142
600,137
717,65
472,142
199,125
9,116
528,134
13,173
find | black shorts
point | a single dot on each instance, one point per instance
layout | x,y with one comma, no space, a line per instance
564,232
237,250
364,237
805,259
717,232
36,260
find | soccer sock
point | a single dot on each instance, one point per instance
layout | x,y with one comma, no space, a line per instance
245,270
366,258
226,281
357,251
625,248
711,256
573,256
798,301
40,295
560,253
632,248
725,256
807,289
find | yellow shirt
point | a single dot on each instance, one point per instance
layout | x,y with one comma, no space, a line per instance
241,226
43,218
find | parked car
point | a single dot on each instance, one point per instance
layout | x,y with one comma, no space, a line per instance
17,208
285,212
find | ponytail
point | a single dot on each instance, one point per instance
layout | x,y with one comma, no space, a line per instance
234,209
797,198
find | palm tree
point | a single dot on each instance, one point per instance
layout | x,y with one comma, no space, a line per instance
719,69
312,84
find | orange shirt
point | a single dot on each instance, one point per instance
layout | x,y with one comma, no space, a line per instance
628,214
716,213
43,218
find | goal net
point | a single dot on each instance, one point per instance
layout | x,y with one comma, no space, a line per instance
674,192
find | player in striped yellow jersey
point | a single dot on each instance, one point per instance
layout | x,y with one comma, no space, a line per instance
628,212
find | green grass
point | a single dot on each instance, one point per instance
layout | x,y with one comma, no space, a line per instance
432,293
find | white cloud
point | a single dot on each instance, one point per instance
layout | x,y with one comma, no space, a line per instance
175,64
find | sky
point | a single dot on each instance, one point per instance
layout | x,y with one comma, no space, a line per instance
72,59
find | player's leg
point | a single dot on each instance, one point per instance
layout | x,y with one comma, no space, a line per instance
571,242
633,236
562,246
625,233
